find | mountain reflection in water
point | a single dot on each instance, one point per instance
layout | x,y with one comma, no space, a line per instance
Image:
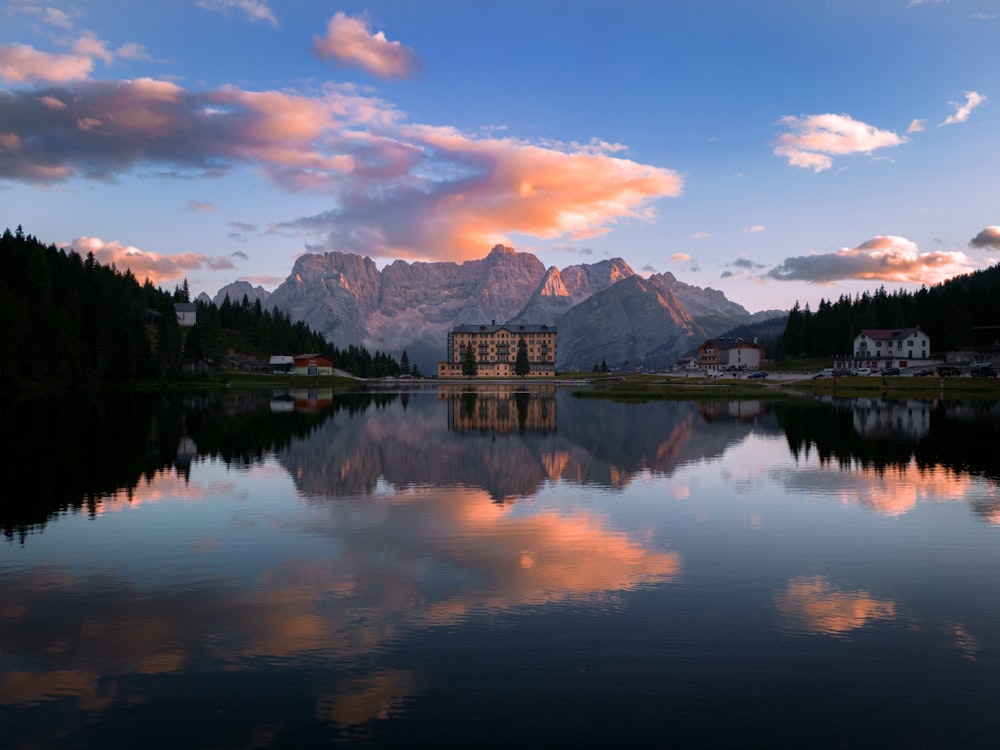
506,440
493,564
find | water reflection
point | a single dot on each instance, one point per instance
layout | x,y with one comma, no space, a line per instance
260,563
814,605
508,441
500,409
436,559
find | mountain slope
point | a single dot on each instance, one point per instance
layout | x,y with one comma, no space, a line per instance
637,321
603,311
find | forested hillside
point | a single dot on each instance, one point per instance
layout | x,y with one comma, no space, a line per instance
946,312
69,321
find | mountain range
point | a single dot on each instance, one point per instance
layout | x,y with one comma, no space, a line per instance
604,311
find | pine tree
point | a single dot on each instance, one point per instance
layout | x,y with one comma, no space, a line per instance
470,368
521,364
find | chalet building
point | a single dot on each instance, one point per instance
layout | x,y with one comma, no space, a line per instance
313,364
281,363
729,353
889,347
495,347
187,314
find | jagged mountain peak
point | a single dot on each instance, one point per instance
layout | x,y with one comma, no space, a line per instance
597,307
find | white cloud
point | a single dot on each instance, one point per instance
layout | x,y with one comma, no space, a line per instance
255,10
812,141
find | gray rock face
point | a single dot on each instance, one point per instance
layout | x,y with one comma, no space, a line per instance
237,291
635,322
561,290
603,311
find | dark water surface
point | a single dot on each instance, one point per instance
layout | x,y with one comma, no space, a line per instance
442,568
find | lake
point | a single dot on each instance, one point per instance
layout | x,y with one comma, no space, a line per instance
498,567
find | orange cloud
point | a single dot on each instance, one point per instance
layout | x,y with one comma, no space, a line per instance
350,42
812,604
812,141
396,189
156,267
884,258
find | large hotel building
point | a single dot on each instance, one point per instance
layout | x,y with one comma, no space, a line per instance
496,349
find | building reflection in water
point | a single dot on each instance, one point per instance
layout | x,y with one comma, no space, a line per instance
501,409
875,418
731,410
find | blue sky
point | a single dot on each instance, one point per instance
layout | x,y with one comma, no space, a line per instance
779,150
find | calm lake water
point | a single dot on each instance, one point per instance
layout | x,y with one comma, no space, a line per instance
442,568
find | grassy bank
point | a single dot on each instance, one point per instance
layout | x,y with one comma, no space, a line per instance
640,388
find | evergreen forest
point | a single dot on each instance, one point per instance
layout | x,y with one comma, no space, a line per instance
68,321
947,313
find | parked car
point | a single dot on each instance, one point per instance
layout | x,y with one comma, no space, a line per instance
756,374
861,371
829,372
983,371
841,372
946,372
922,373
890,371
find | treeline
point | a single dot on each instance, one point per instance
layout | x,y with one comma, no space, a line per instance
250,328
946,312
70,321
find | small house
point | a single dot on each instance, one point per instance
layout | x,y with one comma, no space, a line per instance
313,364
281,363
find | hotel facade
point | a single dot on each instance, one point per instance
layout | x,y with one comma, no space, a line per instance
495,347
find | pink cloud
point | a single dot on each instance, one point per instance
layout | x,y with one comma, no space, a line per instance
20,63
680,257
351,42
89,45
812,141
158,268
396,189
962,111
199,206
884,258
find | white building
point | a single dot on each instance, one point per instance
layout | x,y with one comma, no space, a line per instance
890,347
730,353
187,313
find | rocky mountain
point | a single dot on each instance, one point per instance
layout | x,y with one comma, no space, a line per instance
603,311
634,322
561,290
238,290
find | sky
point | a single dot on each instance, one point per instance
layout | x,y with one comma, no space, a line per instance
780,151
